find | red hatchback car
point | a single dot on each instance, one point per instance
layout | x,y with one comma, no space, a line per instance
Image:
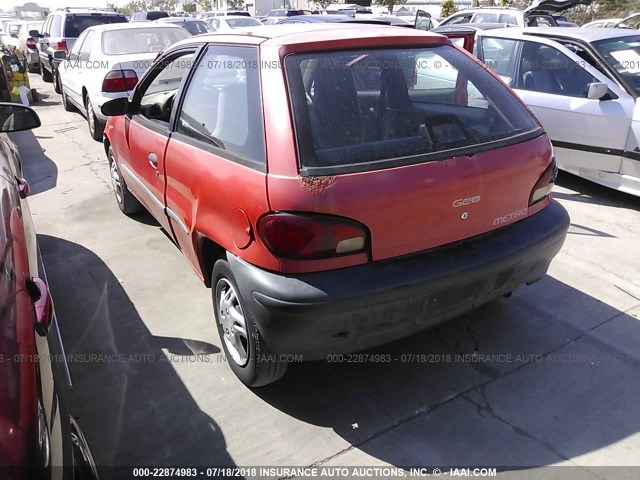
338,186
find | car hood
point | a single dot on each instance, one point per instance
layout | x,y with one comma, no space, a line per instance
554,6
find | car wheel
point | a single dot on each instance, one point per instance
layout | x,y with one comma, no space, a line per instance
96,127
84,466
247,353
46,74
127,203
68,106
56,81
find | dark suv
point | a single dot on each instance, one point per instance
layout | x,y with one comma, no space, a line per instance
59,33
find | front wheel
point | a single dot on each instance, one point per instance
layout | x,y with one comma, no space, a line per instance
57,85
247,353
46,74
96,127
127,203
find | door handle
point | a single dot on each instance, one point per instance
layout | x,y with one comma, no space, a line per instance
153,160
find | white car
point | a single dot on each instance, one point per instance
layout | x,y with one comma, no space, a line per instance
106,62
584,86
603,23
229,23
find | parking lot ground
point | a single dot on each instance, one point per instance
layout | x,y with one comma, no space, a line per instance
546,377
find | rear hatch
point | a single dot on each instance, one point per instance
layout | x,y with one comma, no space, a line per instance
421,146
554,6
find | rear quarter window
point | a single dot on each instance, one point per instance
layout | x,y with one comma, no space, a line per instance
369,109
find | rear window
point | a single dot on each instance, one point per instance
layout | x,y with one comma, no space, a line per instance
243,22
140,40
76,24
368,109
156,15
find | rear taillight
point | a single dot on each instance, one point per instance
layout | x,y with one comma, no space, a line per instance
308,237
31,43
119,81
545,183
61,46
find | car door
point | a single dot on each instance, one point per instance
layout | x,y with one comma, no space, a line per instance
587,134
218,139
72,72
147,131
43,42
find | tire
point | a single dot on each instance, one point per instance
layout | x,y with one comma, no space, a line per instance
250,358
96,127
127,203
56,81
46,74
66,104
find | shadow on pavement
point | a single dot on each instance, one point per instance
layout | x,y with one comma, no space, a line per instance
550,380
589,192
39,170
144,415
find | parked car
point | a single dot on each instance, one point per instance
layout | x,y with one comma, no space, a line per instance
364,198
583,85
538,14
38,435
9,35
194,26
148,16
106,62
603,23
29,45
225,13
631,22
59,33
229,23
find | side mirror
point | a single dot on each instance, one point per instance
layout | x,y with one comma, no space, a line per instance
60,55
115,107
15,117
596,90
14,35
34,33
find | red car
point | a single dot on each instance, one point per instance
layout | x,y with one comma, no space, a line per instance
338,186
39,439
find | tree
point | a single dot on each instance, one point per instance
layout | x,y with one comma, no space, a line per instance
236,4
205,4
323,4
448,8
189,7
389,4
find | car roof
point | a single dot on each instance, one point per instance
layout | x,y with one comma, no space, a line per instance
130,26
87,11
227,17
301,33
586,35
179,20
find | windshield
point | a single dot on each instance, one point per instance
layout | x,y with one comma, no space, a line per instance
243,22
140,40
632,23
623,54
197,27
370,106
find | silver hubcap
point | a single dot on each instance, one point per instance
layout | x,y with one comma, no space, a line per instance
115,180
234,327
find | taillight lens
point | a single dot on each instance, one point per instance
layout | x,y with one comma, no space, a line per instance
61,46
119,81
31,43
545,183
310,237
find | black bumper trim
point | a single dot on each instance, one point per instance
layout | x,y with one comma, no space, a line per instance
360,307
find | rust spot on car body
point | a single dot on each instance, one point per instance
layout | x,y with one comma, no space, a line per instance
318,184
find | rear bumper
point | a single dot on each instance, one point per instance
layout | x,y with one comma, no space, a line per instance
360,307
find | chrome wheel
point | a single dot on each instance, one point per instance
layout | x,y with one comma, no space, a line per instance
91,118
232,321
115,179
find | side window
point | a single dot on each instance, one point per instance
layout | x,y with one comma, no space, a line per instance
56,26
84,53
498,55
545,69
158,95
45,27
508,19
215,23
485,17
222,106
74,54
